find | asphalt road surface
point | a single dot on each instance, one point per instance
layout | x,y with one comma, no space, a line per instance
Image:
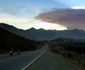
42,59
18,62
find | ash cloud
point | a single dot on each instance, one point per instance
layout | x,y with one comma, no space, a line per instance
70,18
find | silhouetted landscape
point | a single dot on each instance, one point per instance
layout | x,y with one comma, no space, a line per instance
9,40
69,43
73,49
42,34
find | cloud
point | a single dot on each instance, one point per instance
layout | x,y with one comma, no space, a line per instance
14,20
71,18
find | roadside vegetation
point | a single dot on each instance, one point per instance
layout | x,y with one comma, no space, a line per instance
72,49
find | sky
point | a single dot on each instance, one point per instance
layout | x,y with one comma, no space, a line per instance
25,14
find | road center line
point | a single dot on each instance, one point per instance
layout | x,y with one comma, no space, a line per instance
33,60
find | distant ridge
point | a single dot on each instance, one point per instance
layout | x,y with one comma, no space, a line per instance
42,34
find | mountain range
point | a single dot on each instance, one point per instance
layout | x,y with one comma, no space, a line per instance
42,34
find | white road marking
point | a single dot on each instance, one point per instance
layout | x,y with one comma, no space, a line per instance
33,60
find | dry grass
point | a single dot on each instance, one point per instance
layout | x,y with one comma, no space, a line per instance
74,57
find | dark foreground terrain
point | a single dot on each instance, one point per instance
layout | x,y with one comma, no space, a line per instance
43,59
72,49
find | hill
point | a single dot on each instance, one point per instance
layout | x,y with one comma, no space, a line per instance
42,34
11,41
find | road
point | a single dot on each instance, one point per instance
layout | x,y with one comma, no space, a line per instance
42,59
18,62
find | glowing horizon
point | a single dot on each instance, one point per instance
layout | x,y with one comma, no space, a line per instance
37,24
48,26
